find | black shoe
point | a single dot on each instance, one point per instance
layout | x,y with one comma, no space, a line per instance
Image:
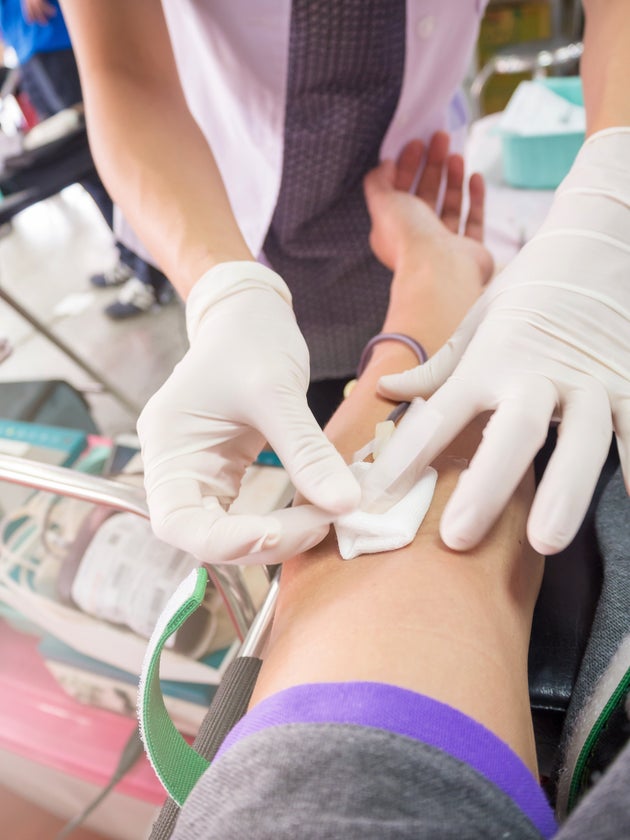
115,276
134,298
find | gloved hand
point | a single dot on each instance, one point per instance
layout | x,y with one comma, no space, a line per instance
243,381
550,336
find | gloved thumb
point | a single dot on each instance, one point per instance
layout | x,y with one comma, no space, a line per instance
424,380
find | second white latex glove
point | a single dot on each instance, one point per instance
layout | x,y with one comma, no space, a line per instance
550,336
242,382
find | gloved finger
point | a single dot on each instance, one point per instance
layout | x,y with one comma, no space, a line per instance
200,526
420,436
315,467
408,165
423,380
511,439
428,188
567,487
302,527
621,422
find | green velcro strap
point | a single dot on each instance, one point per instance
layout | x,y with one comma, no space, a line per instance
177,765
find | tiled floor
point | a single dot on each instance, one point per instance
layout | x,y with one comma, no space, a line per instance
45,262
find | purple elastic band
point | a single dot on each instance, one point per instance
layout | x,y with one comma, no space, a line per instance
414,345
407,713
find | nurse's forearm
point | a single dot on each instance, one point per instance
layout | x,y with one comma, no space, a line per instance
606,63
148,149
164,178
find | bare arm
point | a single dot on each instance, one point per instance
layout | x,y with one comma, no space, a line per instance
149,150
451,626
606,63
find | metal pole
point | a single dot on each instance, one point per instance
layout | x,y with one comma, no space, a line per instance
131,406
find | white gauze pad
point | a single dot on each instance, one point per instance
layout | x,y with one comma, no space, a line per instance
360,532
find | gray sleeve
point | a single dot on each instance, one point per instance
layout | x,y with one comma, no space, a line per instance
340,782
608,804
611,623
604,813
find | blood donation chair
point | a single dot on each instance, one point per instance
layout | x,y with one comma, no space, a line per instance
561,626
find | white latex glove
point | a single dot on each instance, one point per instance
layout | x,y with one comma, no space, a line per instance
243,381
550,336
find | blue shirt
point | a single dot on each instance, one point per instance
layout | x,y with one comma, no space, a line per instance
26,38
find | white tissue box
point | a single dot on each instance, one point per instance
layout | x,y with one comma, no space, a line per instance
540,158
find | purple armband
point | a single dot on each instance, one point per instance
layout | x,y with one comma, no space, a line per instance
414,345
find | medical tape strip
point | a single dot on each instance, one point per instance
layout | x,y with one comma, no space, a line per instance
176,764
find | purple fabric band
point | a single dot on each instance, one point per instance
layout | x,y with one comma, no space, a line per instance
414,345
404,712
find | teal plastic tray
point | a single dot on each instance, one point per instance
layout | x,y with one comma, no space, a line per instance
540,163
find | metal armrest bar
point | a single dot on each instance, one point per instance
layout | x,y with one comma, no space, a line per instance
102,491
256,639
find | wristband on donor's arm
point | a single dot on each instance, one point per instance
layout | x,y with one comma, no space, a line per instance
366,355
414,345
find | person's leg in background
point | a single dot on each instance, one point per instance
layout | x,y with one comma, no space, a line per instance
393,698
144,287
51,82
